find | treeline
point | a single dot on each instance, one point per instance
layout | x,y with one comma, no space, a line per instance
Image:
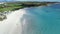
11,6
29,4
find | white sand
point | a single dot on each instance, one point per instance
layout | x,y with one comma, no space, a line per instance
12,24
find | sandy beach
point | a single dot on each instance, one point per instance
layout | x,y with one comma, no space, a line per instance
12,24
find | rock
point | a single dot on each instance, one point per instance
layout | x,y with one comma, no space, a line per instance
2,17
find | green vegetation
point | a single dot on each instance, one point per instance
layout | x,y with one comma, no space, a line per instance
11,6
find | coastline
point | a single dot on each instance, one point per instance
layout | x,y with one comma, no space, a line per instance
12,23
8,12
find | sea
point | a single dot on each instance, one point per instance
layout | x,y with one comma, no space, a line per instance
42,20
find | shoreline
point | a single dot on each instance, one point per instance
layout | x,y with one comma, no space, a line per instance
8,13
12,25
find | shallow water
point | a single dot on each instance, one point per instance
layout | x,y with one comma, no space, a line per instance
42,20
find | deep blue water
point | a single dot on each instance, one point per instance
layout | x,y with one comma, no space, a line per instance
43,20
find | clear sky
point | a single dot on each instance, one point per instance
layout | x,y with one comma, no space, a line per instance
32,0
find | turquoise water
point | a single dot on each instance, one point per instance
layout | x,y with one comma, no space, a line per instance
43,20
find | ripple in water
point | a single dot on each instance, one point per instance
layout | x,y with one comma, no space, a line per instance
42,20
